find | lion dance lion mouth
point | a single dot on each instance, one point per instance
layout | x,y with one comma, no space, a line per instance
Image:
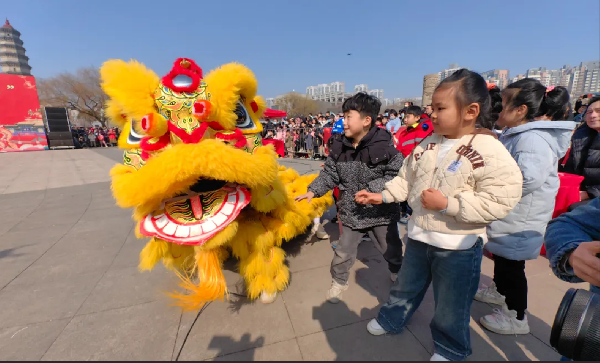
200,183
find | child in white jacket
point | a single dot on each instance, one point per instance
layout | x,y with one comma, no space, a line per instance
457,181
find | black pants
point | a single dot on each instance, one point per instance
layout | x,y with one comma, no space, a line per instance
511,282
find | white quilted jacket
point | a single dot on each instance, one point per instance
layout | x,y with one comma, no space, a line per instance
481,179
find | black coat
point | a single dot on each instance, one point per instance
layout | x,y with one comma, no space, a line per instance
584,159
370,165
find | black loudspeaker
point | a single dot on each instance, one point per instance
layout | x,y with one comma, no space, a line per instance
57,119
59,127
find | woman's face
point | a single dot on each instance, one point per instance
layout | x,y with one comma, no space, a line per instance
592,116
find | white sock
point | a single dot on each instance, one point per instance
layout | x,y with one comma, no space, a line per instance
317,220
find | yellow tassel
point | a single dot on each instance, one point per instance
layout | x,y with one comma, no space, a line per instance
211,285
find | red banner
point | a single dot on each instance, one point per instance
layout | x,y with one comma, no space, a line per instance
21,123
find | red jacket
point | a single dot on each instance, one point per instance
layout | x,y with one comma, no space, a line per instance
410,136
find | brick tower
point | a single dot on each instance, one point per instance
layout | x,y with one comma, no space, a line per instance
12,54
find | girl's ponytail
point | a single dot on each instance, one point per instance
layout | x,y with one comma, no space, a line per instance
555,103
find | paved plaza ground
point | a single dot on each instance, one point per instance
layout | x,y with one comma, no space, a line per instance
70,288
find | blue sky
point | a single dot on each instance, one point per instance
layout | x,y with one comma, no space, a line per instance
294,44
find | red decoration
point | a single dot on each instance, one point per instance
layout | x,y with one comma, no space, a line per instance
161,143
186,67
145,123
192,138
237,136
254,106
202,109
21,123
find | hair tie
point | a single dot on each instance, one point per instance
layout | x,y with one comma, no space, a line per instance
549,89
490,86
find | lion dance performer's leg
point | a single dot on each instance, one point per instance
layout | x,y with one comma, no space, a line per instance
261,259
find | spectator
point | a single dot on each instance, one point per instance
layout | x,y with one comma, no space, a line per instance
384,121
537,147
101,139
408,138
92,138
428,110
338,126
394,124
573,245
112,137
458,180
580,114
584,158
362,157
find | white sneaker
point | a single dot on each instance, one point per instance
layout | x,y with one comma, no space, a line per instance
267,298
334,295
321,234
438,358
375,329
490,295
504,321
394,277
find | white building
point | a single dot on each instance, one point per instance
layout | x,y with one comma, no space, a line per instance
377,93
361,88
448,72
328,92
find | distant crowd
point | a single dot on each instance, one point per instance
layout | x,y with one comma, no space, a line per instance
95,137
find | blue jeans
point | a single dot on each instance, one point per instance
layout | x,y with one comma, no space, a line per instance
455,276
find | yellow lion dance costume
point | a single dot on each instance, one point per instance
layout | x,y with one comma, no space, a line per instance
199,180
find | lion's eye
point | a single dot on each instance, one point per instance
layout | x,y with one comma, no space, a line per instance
243,119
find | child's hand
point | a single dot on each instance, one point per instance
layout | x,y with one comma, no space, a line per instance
364,197
433,199
308,196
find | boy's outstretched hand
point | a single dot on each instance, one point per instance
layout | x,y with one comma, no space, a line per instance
364,197
433,199
308,196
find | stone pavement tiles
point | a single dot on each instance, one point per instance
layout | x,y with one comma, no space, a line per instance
70,289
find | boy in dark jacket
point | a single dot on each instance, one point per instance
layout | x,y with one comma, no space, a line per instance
363,158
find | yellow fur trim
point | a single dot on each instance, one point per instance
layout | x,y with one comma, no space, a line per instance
222,237
226,84
131,85
211,282
262,272
186,163
268,197
154,251
180,258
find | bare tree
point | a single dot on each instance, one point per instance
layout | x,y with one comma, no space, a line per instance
80,91
296,104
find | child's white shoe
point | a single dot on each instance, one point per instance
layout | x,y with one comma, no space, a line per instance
375,329
490,295
334,295
438,358
504,321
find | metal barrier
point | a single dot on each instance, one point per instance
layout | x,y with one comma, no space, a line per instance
300,142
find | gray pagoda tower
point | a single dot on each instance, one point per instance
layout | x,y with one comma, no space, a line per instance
12,54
